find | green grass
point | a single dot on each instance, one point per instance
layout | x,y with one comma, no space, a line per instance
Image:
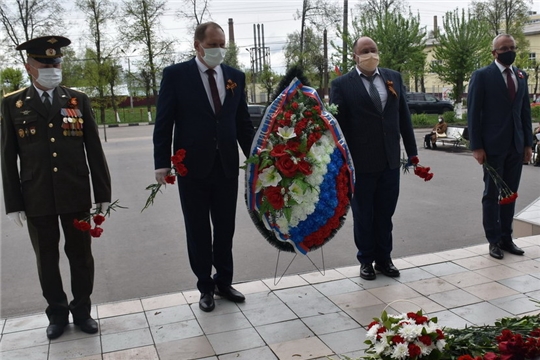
139,115
127,115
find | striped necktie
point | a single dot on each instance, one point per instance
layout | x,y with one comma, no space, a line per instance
374,93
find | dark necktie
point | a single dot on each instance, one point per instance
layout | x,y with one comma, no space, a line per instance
374,93
214,90
46,100
510,84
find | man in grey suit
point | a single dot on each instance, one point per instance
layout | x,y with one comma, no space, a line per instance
373,115
500,128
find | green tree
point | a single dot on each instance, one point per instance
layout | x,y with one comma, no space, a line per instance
400,39
231,57
313,65
507,17
502,16
72,68
142,27
195,11
462,47
268,79
11,80
99,13
23,20
318,13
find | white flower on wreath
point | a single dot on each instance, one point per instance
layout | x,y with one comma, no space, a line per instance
286,132
270,177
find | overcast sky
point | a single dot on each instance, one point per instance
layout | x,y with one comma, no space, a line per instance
278,19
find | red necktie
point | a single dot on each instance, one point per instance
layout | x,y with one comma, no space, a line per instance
214,90
510,84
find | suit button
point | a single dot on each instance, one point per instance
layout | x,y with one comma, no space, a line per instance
51,125
54,154
53,140
55,169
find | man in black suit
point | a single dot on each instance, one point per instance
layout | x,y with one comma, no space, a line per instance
57,159
373,114
203,103
500,127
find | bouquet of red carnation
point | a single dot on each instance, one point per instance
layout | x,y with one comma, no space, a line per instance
506,195
419,170
97,215
177,169
512,346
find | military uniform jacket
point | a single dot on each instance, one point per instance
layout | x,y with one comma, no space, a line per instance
58,151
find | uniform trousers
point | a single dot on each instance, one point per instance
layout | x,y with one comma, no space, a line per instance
45,236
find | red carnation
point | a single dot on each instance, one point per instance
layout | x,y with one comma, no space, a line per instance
99,219
81,225
414,350
169,179
371,324
96,232
396,339
182,170
415,160
425,339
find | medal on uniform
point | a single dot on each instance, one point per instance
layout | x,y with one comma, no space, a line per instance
19,104
21,133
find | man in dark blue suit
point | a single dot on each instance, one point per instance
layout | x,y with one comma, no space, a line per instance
500,128
203,102
373,122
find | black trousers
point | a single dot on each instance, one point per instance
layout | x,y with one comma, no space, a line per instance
209,208
45,236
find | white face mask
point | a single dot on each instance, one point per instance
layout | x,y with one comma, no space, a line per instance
49,78
368,62
213,56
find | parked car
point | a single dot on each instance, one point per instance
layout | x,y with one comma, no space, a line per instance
427,103
256,113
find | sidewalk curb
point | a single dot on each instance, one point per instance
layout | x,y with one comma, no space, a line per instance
127,124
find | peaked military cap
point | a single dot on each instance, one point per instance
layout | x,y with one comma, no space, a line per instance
45,49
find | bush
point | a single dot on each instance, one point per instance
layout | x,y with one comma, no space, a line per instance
449,117
535,112
422,120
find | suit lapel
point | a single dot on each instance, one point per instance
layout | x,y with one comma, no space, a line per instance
357,87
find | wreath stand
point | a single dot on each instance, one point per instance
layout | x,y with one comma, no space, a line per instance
322,270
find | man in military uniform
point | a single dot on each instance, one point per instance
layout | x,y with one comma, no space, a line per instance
51,130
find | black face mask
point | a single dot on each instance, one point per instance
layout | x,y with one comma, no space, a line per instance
507,58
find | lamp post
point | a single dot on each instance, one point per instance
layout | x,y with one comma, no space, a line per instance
129,77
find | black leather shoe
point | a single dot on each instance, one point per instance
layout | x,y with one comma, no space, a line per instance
387,268
230,294
367,272
206,303
495,251
88,326
55,330
511,248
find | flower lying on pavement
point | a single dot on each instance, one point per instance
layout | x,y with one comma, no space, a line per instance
407,336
